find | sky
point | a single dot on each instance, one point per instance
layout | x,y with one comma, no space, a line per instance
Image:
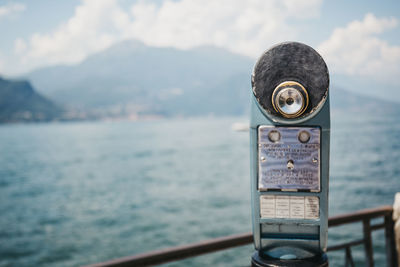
359,40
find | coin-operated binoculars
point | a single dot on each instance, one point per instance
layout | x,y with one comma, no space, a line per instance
289,139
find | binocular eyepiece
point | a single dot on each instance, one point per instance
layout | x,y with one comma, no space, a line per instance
290,82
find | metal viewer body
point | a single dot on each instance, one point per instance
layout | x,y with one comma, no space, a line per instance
289,156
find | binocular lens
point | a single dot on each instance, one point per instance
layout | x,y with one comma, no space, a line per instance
290,99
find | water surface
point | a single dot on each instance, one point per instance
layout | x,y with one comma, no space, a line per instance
84,192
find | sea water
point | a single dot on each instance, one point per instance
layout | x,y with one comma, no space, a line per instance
84,192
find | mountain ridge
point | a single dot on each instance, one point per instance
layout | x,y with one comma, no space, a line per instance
133,78
20,102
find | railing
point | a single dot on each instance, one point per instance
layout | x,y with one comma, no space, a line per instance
213,245
365,216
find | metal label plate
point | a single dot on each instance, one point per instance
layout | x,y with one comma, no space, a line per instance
289,207
285,162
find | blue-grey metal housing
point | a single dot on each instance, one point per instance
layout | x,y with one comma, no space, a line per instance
299,237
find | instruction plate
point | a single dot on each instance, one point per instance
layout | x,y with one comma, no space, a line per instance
289,207
285,162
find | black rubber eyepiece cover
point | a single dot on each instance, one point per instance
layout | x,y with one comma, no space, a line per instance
291,61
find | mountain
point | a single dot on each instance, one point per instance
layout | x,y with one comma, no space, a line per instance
132,78
20,102
343,100
151,80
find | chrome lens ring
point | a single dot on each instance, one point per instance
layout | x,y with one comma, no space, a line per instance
290,99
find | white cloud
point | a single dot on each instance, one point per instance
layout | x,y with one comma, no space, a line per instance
20,46
245,27
11,9
94,26
356,49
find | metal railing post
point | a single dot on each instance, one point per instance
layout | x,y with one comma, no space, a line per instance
369,256
391,253
349,258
